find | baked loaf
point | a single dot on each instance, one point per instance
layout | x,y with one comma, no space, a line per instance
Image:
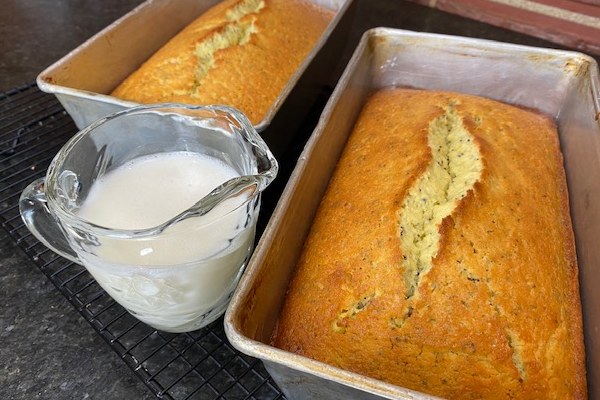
441,258
240,53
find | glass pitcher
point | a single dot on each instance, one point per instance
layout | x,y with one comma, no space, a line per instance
178,275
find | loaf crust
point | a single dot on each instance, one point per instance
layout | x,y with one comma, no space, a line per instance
239,53
497,315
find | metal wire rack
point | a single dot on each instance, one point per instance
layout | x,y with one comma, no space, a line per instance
196,365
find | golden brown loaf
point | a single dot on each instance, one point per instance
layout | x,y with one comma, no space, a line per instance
441,258
240,53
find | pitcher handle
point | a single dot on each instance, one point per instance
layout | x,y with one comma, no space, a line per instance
36,215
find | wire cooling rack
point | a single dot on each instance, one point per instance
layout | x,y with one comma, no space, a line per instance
196,365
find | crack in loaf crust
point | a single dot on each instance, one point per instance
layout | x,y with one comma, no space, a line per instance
496,314
240,53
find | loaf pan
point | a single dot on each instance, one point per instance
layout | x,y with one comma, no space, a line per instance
561,84
83,79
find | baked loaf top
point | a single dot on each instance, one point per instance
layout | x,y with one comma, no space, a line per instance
442,257
239,53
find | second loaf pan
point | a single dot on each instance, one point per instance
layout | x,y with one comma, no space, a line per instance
563,85
83,79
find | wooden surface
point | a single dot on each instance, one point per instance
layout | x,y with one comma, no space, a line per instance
570,23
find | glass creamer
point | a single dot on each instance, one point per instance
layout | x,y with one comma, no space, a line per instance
177,268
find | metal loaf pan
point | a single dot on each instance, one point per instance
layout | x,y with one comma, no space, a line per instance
84,78
564,85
